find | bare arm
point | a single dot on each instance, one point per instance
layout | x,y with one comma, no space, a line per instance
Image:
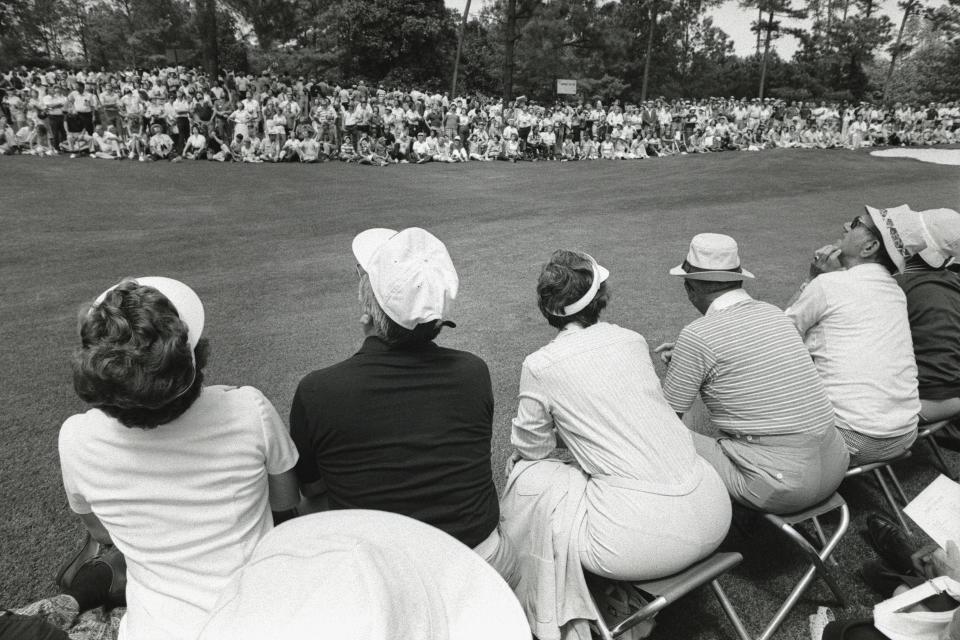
97,531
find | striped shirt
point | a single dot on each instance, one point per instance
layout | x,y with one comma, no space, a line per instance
597,387
745,359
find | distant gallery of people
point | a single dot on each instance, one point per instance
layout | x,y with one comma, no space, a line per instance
183,114
180,484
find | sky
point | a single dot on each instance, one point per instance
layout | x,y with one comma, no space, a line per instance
735,22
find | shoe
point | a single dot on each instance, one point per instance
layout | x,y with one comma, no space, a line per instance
880,578
90,550
117,596
890,542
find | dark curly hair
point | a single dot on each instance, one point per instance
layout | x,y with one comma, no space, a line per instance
563,281
134,361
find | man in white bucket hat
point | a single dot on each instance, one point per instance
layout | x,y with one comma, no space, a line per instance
778,450
404,425
853,320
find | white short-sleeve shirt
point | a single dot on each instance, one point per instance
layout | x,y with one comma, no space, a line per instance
186,502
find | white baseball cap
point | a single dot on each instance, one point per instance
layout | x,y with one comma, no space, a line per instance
941,230
411,274
714,257
184,300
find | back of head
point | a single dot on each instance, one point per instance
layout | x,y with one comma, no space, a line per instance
564,281
135,361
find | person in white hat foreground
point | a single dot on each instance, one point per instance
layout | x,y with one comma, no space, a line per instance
778,450
365,575
638,503
933,305
181,477
853,319
405,425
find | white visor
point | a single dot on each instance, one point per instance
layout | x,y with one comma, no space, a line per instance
600,276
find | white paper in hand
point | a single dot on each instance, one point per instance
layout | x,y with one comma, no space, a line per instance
937,510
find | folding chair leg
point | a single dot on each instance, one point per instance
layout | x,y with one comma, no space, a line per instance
823,541
788,604
817,558
896,485
890,500
939,456
730,611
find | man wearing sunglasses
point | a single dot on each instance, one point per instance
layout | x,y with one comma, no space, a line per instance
852,316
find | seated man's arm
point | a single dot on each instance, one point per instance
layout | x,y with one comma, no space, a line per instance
307,473
809,307
691,364
97,531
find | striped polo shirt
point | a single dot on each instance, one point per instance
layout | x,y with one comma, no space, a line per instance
746,360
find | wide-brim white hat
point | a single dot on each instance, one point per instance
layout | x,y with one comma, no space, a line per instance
411,274
713,257
364,575
184,299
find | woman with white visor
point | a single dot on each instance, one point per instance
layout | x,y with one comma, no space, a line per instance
638,502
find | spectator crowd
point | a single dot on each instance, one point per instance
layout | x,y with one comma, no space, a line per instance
176,114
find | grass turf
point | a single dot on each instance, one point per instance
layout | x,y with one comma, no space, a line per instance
268,250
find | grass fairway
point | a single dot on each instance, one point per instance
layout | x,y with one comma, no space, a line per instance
268,250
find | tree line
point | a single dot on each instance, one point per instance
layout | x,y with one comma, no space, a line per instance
625,49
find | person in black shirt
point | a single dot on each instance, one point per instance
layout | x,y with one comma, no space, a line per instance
404,425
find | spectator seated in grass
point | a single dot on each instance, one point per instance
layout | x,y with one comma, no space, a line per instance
195,147
417,443
146,469
161,145
778,450
851,305
638,502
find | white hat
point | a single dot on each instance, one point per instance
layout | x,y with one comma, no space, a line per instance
901,231
184,300
411,274
941,230
364,575
714,257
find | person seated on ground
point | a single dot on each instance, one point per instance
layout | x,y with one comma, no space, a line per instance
638,503
161,145
270,148
851,305
38,142
588,148
606,148
145,468
249,151
479,143
495,148
77,144
569,151
347,151
365,575
534,148
420,150
290,150
511,148
106,145
777,450
366,155
430,461
9,144
90,603
901,566
401,146
653,144
308,150
638,148
217,149
548,143
437,147
456,152
195,148
933,307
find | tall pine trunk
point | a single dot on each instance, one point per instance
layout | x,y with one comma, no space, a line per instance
456,59
510,41
646,61
766,54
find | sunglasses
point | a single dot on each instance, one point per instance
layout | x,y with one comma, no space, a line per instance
860,222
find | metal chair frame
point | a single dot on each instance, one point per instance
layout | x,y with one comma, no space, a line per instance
819,558
665,591
926,432
877,469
